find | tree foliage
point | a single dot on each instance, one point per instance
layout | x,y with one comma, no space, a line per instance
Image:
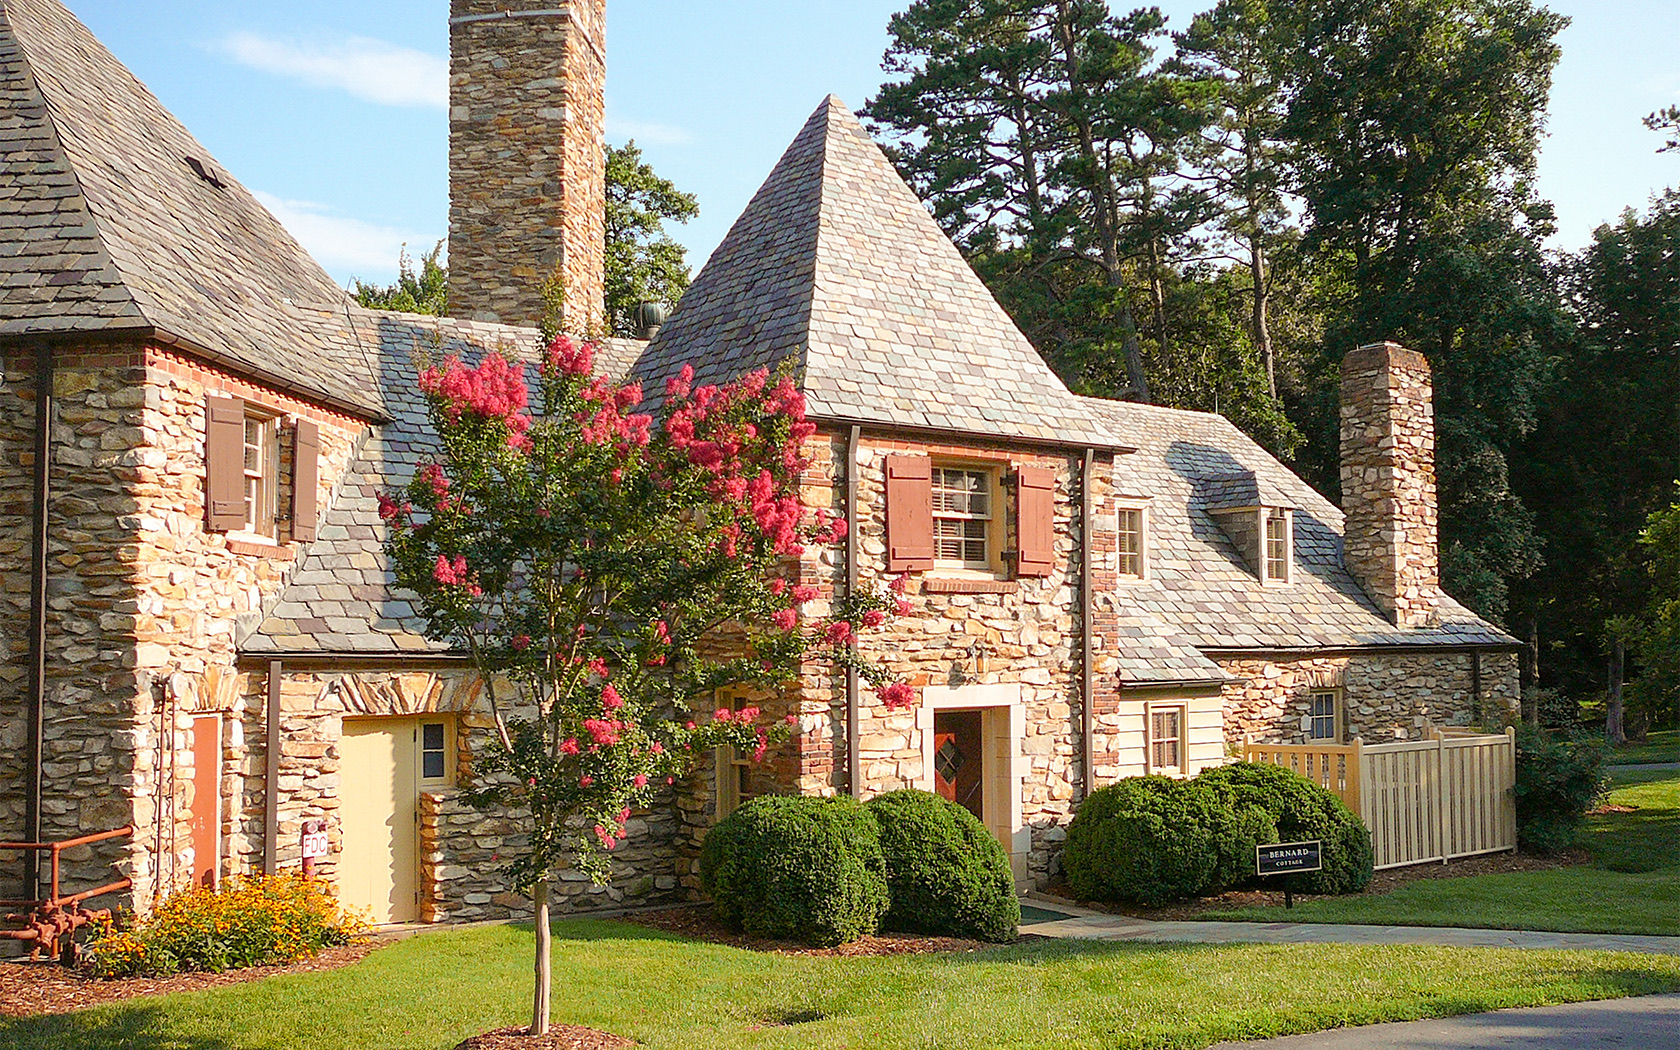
643,263
423,292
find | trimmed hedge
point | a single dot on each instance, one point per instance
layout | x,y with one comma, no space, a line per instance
946,874
1155,839
1299,810
797,868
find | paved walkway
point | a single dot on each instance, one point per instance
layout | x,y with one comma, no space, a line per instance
1650,1022
1641,767
1093,925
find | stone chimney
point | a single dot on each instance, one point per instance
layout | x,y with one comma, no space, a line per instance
1390,540
527,190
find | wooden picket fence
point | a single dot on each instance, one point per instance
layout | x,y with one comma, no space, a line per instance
1447,796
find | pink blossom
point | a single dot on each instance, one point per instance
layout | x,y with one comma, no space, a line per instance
607,841
777,586
610,700
838,633
899,583
640,780
896,695
387,508
657,748
604,731
569,746
624,814
804,593
902,608
791,719
585,780
520,642
722,714
873,618
598,666
747,714
785,619
565,357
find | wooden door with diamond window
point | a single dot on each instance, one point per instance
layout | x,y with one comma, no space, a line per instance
957,763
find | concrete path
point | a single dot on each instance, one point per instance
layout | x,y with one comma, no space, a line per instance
1650,1022
1093,925
1642,767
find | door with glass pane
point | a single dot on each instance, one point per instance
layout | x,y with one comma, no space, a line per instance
384,765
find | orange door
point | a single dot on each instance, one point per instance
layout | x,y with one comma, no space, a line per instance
206,797
956,759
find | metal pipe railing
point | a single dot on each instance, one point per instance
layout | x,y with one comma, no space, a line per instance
53,917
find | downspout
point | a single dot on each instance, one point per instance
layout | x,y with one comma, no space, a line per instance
271,789
36,712
854,718
1087,684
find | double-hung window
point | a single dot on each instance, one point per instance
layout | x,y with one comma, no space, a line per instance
1129,543
1277,546
1322,718
262,469
1166,738
962,517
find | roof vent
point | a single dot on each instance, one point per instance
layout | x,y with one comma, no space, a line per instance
649,318
204,173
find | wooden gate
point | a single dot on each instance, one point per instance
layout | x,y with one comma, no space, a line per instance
1448,796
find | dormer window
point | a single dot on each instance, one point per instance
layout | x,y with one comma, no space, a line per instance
1130,543
1277,545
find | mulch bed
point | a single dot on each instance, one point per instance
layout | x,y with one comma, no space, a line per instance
559,1037
699,923
27,989
1386,881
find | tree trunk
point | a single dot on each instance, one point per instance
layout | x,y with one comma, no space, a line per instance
1531,667
1262,329
1613,709
544,967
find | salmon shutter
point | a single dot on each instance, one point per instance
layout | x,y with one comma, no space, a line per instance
224,463
306,472
909,514
1035,521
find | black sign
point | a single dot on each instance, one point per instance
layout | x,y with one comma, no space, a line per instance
1282,858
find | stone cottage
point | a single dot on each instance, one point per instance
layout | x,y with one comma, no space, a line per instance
199,632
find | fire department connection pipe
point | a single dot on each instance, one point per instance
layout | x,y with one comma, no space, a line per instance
35,715
854,720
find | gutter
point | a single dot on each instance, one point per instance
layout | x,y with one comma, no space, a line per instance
1087,684
37,701
854,717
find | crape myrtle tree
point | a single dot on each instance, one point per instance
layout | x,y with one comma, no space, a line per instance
604,569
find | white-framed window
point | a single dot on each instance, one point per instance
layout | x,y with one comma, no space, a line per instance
1166,725
1131,542
1275,545
1324,715
963,529
262,472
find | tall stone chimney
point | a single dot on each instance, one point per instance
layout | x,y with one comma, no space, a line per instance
1390,540
527,189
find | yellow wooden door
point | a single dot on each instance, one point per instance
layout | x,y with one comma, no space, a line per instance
379,861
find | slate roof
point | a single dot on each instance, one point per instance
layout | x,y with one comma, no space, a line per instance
107,227
1200,588
836,266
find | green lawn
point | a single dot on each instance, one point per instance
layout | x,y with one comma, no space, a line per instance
1660,745
1633,885
429,992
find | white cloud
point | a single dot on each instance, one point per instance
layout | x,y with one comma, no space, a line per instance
345,246
369,69
647,132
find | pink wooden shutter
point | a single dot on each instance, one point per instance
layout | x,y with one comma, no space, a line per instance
1035,521
306,473
224,463
909,514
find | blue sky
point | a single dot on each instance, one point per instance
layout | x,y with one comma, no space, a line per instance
333,112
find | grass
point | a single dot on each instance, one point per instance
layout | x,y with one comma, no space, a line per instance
1660,745
1632,886
429,992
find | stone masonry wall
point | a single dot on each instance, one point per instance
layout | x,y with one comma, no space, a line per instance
527,190
1385,697
143,602
1028,631
1388,481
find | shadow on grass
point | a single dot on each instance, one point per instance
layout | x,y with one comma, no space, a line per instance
128,1027
1648,839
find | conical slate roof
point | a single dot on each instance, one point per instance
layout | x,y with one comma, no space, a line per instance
109,226
837,266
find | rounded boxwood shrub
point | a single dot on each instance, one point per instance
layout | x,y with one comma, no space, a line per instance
1155,839
946,874
797,868
1298,810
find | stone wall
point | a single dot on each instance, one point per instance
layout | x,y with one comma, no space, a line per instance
1388,481
526,164
144,604
1385,697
